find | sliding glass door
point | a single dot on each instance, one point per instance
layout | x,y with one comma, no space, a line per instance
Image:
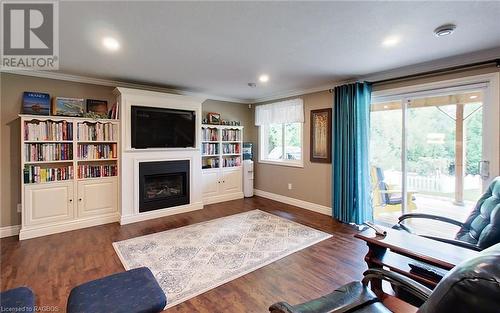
427,155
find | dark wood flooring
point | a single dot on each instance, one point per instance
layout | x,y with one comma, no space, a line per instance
53,265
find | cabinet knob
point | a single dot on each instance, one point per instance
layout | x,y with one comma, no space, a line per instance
80,199
70,200
224,181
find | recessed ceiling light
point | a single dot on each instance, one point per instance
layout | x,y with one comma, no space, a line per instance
444,30
110,43
472,97
390,41
263,78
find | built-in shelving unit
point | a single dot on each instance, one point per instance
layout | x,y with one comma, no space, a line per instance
221,154
69,172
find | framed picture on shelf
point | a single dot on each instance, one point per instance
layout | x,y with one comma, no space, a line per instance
321,136
97,107
213,118
68,106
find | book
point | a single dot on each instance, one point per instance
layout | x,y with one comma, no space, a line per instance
99,107
36,103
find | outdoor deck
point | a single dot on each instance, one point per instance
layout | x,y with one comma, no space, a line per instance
430,205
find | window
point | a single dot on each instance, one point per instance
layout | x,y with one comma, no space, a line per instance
280,133
281,143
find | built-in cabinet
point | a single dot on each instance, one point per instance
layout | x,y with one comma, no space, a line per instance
221,153
69,173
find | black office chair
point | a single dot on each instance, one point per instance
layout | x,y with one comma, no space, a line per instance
472,286
481,229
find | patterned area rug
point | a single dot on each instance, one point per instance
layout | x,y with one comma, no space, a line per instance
190,260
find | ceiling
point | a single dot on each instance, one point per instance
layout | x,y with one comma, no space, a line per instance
218,47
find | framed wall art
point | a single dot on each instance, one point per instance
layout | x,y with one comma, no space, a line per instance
321,136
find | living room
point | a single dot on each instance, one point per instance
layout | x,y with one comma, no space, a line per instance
250,156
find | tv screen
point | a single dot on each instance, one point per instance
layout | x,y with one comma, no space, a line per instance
162,128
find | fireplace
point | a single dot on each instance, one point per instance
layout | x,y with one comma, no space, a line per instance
163,184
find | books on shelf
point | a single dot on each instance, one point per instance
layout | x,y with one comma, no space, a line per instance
231,162
209,148
231,135
35,152
210,162
48,130
230,148
94,171
97,131
97,151
37,174
209,134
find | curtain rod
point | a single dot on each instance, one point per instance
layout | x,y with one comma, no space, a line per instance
435,72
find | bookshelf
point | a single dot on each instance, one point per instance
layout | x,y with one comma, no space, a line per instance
69,173
221,160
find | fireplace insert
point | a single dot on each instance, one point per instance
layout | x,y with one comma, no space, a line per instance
163,184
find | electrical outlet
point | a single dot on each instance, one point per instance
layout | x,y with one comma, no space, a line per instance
289,186
19,208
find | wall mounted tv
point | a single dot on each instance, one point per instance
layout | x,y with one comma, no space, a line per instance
162,128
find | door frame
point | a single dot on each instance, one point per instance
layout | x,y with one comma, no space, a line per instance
489,83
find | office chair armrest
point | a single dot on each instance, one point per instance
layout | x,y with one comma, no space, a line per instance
454,242
431,217
418,290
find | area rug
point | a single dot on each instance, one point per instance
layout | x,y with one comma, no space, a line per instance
190,260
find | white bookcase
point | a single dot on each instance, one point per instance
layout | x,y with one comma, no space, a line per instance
221,154
69,176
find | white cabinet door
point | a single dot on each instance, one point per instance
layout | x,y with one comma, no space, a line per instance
96,197
48,203
211,183
231,180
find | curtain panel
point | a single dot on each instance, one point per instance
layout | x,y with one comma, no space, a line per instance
351,192
288,111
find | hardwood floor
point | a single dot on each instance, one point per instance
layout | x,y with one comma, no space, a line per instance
53,265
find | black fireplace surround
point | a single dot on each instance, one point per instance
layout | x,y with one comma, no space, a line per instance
163,184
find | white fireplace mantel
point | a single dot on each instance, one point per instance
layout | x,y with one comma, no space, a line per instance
130,157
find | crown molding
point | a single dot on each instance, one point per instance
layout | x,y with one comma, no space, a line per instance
115,83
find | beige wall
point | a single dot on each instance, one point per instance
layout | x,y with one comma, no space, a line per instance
12,87
233,112
311,183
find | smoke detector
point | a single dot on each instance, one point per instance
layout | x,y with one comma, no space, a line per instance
445,30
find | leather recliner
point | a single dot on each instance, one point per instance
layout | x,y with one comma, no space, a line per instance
481,229
472,286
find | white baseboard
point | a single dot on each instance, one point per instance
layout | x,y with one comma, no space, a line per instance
38,231
222,198
8,231
160,213
296,202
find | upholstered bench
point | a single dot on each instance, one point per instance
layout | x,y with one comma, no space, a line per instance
134,291
19,299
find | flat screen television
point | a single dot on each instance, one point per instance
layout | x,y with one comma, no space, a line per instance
162,128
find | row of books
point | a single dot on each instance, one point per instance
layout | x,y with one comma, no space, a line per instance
231,162
209,134
210,162
209,148
36,174
97,132
93,171
97,151
230,148
114,112
48,130
231,135
48,152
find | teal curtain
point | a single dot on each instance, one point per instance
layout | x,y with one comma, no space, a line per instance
351,192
